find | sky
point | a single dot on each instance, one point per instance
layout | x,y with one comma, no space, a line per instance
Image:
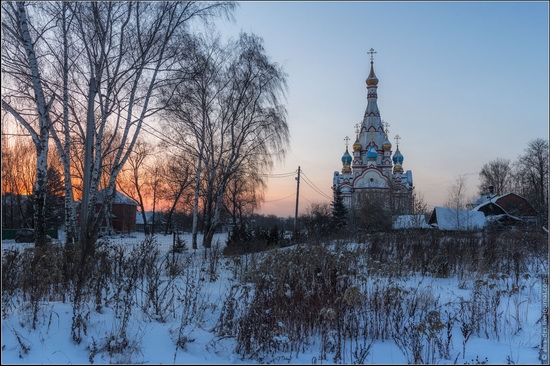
462,83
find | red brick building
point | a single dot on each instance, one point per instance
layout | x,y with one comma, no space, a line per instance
122,214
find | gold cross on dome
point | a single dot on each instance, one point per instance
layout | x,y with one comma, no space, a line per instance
397,138
346,139
386,127
371,53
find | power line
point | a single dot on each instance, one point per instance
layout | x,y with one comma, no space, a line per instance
280,199
278,175
317,188
314,187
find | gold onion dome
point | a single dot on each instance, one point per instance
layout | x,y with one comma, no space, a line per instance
372,80
386,145
397,169
357,146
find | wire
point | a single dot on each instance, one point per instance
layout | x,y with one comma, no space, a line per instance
278,175
319,193
280,199
314,187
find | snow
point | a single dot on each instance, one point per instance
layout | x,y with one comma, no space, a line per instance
410,222
155,341
452,219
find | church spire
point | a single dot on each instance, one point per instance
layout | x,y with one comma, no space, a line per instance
372,80
372,124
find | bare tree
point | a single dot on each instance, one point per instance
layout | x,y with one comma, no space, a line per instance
18,177
177,176
457,200
531,176
251,124
25,97
133,180
244,193
419,209
496,173
374,210
230,109
317,220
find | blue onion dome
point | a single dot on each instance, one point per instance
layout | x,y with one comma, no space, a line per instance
346,158
372,154
357,145
397,157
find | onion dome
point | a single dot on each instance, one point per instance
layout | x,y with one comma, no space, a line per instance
397,169
372,154
386,145
372,80
346,158
357,145
397,157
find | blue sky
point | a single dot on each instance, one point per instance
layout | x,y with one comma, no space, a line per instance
462,83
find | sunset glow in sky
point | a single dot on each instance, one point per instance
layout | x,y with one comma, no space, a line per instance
462,83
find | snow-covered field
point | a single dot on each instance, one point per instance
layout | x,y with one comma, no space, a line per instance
187,328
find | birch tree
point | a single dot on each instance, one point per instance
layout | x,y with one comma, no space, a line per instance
233,117
25,95
252,121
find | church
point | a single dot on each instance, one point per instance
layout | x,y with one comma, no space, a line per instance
370,172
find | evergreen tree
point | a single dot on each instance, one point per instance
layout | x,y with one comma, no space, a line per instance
54,198
339,211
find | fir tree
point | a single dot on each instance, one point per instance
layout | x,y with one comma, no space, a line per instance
339,211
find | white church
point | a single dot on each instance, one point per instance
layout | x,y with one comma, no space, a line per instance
371,172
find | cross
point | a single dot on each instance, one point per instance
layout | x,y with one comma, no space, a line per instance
386,127
371,53
346,139
397,138
357,129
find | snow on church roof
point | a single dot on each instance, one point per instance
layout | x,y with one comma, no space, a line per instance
452,219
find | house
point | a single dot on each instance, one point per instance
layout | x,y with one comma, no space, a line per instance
410,222
508,208
16,211
122,214
159,221
451,219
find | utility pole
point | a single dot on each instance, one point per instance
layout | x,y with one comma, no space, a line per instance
297,197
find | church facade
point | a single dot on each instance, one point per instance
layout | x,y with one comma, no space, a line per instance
373,171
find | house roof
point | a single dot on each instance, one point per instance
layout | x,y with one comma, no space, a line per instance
118,199
410,222
452,219
149,216
500,201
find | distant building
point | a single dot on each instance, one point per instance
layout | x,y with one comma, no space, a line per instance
16,211
158,217
410,222
372,173
451,219
121,217
508,208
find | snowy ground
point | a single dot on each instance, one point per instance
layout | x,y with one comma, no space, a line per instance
51,342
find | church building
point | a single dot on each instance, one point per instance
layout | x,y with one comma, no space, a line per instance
370,172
